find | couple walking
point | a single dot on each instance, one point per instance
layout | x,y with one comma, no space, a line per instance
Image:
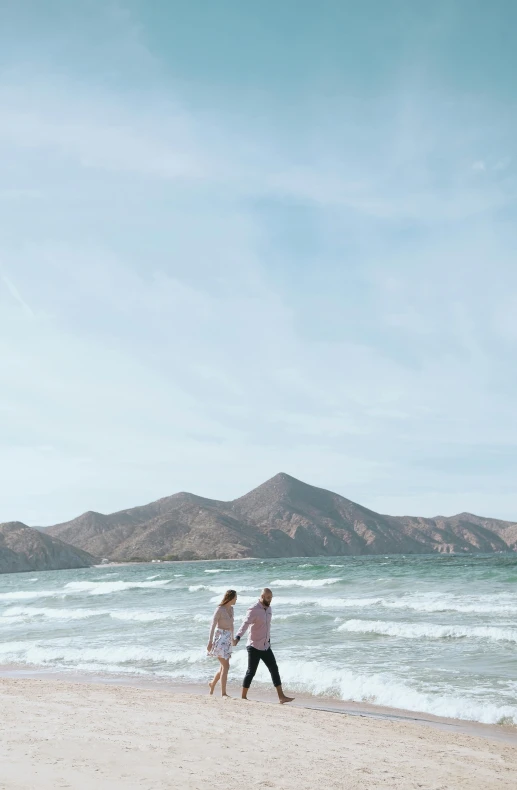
222,639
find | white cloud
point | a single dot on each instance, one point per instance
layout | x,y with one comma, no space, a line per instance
171,347
16,295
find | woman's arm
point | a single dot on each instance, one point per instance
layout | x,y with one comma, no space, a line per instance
215,619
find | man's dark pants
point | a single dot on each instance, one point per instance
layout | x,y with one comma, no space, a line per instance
254,658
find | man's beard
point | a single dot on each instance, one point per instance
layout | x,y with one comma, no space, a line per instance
266,603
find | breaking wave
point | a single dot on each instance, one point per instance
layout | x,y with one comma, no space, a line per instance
429,630
304,582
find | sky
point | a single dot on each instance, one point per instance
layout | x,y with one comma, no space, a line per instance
244,238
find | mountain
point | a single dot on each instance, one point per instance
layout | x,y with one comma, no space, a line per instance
281,518
25,549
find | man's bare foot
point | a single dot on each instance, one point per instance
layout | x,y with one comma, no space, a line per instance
283,700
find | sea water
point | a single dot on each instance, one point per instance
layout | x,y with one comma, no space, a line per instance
436,634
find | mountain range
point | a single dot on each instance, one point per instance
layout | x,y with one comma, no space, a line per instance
281,518
25,549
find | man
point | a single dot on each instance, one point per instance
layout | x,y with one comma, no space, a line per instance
258,620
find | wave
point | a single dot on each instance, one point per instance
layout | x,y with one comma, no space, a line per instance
203,618
388,691
143,617
70,654
107,588
217,570
323,602
220,590
243,599
22,613
429,630
310,677
430,606
304,582
483,605
27,595
314,677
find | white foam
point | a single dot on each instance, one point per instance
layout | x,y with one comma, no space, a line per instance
450,604
433,605
386,690
72,654
217,570
10,649
324,602
203,618
220,590
107,588
243,599
304,582
429,630
24,595
143,617
23,613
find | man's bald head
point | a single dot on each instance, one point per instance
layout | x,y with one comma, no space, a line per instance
266,596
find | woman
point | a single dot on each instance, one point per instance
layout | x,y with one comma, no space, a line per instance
220,645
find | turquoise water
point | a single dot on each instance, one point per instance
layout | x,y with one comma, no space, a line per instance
436,634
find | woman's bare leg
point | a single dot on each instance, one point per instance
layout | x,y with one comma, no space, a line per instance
213,683
225,666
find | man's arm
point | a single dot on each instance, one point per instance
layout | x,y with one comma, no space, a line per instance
248,620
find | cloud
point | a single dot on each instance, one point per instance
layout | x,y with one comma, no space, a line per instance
217,296
16,295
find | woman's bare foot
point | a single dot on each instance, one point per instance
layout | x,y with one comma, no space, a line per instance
225,695
211,686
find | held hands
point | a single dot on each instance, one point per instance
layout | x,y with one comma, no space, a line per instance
235,642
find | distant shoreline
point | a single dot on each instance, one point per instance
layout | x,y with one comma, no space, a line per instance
131,563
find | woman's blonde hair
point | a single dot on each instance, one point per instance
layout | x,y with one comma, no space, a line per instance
228,596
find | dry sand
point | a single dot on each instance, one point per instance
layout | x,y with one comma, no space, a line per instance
59,734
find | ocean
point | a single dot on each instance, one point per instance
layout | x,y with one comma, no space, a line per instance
435,634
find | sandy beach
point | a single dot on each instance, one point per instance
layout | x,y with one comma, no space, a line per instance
58,734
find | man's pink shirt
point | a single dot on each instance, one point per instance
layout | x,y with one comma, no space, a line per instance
258,620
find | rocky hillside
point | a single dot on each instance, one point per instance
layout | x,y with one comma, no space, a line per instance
281,518
25,549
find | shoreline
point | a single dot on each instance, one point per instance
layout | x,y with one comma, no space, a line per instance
498,732
62,734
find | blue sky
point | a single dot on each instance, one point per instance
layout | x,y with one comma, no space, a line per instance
237,239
